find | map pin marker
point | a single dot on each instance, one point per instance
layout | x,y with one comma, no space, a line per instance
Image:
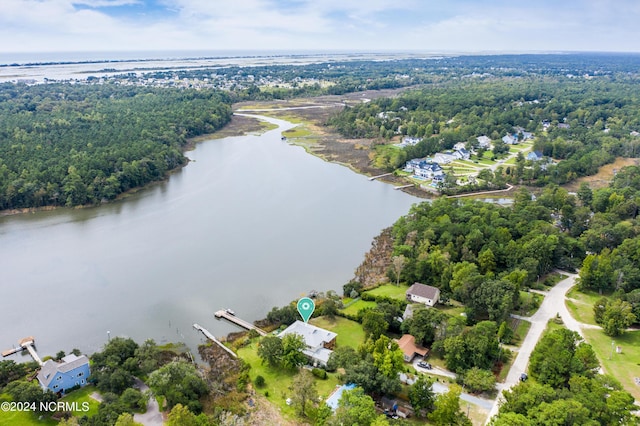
306,308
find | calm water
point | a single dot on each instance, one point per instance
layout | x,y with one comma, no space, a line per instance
251,223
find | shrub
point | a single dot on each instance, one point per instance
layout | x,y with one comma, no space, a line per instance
319,373
259,381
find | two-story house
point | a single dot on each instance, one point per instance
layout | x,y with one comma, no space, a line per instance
319,342
72,371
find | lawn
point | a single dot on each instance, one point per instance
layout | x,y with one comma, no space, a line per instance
81,396
22,417
278,381
521,330
580,304
357,306
390,290
506,367
453,309
487,162
349,332
624,366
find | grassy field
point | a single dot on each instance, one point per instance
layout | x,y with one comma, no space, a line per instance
349,332
580,304
624,366
22,417
297,132
453,310
81,396
390,290
521,330
603,177
357,306
278,382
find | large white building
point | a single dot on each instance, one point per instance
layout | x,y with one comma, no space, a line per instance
320,342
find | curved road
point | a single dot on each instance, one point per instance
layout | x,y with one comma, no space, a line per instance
552,305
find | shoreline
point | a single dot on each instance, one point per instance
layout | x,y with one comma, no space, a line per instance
242,126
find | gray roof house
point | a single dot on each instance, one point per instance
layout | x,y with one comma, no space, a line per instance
422,293
320,342
534,156
483,141
510,139
59,376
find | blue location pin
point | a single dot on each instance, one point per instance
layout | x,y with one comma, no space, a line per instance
306,308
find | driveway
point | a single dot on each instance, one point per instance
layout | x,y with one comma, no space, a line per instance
153,416
552,305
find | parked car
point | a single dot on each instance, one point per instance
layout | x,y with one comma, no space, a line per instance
424,365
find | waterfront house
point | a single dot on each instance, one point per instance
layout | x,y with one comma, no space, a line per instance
422,168
422,293
444,157
319,342
410,350
58,377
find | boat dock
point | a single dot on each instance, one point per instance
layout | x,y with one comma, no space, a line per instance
28,344
379,176
211,337
403,187
224,313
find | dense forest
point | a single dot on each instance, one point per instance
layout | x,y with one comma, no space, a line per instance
482,254
567,389
63,144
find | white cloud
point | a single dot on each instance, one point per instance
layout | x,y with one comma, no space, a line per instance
106,3
463,25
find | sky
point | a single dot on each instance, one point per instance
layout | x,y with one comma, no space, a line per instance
320,25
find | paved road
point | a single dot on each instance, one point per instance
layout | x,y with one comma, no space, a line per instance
552,305
153,416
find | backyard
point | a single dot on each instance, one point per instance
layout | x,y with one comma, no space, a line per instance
624,366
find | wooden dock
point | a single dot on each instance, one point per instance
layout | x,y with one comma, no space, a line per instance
403,187
239,322
211,337
379,176
12,351
28,344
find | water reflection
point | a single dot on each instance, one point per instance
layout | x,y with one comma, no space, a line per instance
249,224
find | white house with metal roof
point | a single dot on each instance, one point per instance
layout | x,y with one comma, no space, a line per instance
319,342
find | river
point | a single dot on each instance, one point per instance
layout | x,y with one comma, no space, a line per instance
251,223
